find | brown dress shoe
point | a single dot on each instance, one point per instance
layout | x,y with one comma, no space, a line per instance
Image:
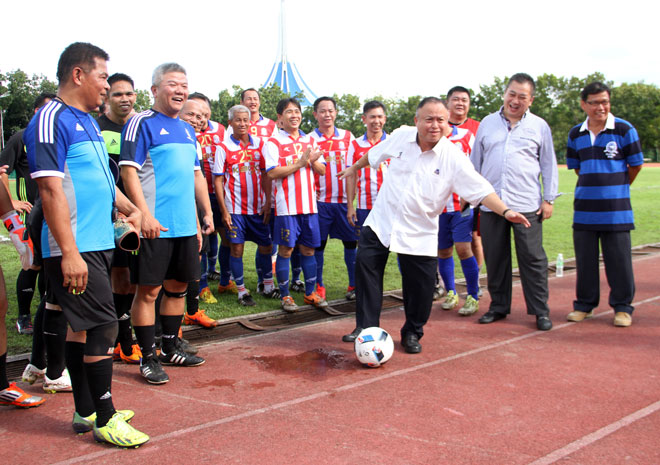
577,315
622,319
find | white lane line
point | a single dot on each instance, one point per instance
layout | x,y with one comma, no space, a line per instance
346,387
171,394
584,441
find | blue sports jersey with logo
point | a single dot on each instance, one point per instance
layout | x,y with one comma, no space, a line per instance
164,152
65,142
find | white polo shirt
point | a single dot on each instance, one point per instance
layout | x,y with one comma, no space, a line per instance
416,190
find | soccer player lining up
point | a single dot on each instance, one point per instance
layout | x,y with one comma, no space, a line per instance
70,163
244,196
161,173
369,179
291,160
331,190
120,101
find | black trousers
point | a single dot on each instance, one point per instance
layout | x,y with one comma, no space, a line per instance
532,262
618,269
417,282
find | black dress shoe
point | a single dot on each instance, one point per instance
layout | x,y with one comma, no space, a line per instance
351,337
411,344
491,316
543,323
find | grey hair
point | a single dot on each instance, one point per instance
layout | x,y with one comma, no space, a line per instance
163,69
238,109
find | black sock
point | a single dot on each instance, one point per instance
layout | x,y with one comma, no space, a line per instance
159,329
192,298
4,382
171,325
123,304
38,356
25,284
145,336
99,380
82,398
55,338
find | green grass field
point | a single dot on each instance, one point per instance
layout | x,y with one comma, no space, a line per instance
557,239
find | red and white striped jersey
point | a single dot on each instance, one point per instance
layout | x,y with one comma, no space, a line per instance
464,140
242,166
369,179
209,139
329,187
296,193
470,124
263,127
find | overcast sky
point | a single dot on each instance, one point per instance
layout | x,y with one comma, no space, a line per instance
364,47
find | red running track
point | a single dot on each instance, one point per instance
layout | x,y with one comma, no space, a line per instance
504,393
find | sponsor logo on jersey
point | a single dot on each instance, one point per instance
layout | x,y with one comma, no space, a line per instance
189,136
163,132
79,127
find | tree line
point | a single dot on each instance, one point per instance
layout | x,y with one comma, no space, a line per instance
557,100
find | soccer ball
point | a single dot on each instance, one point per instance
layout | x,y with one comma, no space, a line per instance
374,346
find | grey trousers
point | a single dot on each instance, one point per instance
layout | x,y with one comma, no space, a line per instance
532,262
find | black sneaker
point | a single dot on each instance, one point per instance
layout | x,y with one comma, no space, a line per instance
24,324
185,346
179,357
153,372
274,293
246,300
213,276
297,286
260,288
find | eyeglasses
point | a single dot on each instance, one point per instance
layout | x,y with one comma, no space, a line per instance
598,103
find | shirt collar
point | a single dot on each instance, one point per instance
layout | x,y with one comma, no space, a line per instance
364,138
238,142
320,134
609,124
509,122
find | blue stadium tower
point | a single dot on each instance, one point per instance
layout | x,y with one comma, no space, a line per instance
285,73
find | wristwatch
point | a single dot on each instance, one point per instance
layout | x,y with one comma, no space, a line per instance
551,202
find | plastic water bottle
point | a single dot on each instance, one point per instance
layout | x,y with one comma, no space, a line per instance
560,266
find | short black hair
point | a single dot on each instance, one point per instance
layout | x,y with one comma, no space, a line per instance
522,78
427,100
199,96
117,77
318,101
80,54
593,88
285,102
370,105
458,89
248,90
40,101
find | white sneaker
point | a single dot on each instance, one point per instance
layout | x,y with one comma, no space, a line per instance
61,384
32,373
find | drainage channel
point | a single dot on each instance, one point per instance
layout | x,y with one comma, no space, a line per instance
236,327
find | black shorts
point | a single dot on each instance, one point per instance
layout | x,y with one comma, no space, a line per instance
120,258
34,225
476,212
165,258
95,306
